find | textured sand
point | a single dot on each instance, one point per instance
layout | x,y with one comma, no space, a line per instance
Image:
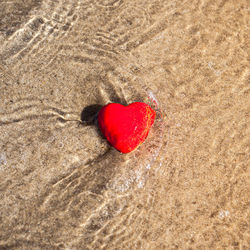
62,186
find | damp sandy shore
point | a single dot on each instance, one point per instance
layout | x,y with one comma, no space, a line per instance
62,186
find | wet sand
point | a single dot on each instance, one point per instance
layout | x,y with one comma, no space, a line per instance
62,186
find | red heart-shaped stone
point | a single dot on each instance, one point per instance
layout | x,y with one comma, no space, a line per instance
126,127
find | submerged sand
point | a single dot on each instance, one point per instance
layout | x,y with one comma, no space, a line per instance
62,186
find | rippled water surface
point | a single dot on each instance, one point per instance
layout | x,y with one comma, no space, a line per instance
62,186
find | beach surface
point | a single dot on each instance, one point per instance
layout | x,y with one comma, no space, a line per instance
62,186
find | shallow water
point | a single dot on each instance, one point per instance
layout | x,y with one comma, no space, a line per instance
63,186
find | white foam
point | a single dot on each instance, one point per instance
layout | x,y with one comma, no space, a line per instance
3,160
152,97
223,214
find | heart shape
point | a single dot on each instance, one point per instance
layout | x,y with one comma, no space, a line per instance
126,127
